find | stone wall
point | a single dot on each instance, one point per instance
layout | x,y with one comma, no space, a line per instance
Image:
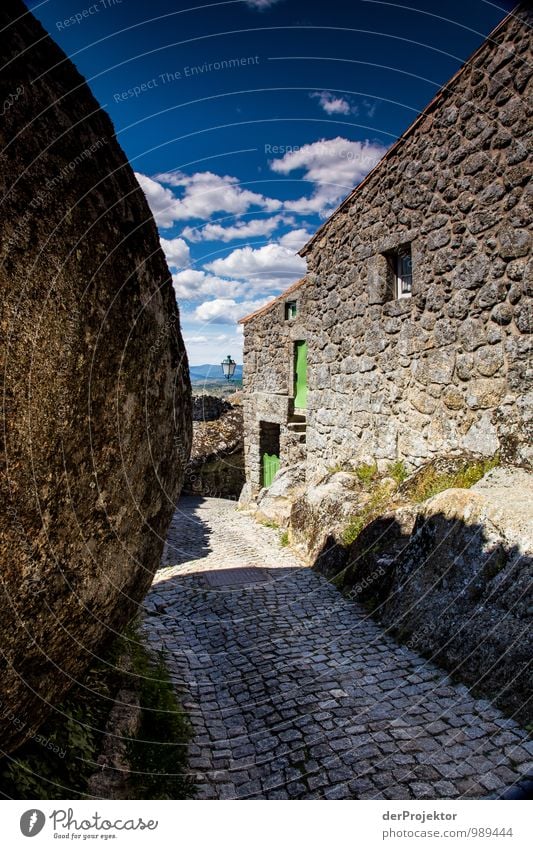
96,394
460,589
445,370
208,408
216,465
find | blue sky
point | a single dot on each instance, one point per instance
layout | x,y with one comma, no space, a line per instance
248,121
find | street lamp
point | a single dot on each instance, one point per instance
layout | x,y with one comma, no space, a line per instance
228,367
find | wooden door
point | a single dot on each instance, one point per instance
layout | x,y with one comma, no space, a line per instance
300,375
270,468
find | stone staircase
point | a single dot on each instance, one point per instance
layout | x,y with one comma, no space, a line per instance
297,424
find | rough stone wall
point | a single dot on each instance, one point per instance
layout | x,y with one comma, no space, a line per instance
96,395
445,370
208,408
460,588
216,465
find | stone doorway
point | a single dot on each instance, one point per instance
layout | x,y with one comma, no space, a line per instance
269,438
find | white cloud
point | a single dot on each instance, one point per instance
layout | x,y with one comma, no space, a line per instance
160,200
273,266
201,194
331,104
241,230
176,251
295,239
194,340
226,310
194,285
334,165
246,272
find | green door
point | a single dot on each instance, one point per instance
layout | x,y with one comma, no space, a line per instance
300,375
270,467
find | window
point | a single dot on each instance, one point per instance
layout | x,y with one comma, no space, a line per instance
403,272
291,310
399,273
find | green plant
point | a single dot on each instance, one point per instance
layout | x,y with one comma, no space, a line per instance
284,539
338,467
472,473
269,523
353,529
376,504
398,471
158,755
366,472
430,482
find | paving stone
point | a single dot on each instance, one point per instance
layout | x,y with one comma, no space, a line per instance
445,789
396,791
338,791
295,789
490,781
274,780
421,790
316,781
226,791
342,773
277,794
294,692
290,735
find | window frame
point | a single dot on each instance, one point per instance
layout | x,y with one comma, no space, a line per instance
399,276
396,276
290,310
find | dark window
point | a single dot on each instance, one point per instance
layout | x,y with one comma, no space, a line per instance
400,272
291,309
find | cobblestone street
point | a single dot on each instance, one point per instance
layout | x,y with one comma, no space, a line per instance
294,692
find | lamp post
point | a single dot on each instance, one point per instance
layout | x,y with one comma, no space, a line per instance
228,367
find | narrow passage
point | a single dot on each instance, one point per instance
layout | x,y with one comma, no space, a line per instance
295,693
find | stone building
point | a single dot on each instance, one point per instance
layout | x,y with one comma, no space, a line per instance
408,336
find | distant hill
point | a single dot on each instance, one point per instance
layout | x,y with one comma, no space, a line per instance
212,373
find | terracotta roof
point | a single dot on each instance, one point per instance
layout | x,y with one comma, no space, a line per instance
392,150
274,301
